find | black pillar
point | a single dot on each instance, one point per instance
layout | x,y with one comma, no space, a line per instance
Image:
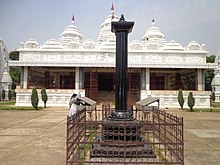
121,30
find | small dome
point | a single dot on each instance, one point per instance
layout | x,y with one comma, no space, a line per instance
72,45
203,47
216,80
52,44
6,78
31,44
71,33
152,46
193,45
173,45
88,44
136,45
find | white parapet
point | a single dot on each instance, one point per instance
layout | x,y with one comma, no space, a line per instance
56,97
169,98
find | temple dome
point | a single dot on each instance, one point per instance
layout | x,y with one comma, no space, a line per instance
30,44
136,45
173,45
106,38
88,44
6,78
193,45
153,34
52,44
216,81
71,33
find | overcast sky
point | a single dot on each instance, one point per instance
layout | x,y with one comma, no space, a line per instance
179,20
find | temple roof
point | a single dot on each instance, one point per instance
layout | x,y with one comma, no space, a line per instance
71,33
153,34
72,39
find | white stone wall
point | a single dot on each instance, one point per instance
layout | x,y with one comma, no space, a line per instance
55,97
169,98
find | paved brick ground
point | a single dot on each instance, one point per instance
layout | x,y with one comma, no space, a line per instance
202,137
33,137
39,137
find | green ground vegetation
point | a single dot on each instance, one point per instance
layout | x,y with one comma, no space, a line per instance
10,105
211,109
215,107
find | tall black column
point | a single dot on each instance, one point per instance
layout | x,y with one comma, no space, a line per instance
121,30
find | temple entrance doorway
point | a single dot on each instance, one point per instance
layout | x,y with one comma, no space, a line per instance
106,81
100,86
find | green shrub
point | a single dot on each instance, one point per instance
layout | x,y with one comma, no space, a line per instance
191,101
180,98
9,95
34,98
3,94
0,95
212,96
44,96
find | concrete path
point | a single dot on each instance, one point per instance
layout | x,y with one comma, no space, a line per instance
33,137
201,138
39,137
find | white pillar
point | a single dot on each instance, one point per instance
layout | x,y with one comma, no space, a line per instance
203,79
143,79
57,80
200,80
25,83
77,78
166,81
147,79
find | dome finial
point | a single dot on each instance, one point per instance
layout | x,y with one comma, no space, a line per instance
112,10
153,21
73,19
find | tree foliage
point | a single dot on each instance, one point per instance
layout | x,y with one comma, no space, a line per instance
209,74
34,98
191,101
14,55
212,96
180,98
44,96
3,94
210,59
15,73
9,94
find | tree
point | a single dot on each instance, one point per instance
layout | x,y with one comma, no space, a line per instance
44,96
0,95
209,74
34,98
212,96
3,94
14,72
180,98
191,101
9,95
14,55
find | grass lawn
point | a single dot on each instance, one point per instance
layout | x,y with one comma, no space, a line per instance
211,109
10,105
215,107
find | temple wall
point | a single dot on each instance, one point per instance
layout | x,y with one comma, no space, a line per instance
55,97
169,98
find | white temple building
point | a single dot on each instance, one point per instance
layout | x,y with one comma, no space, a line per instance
216,80
5,79
157,67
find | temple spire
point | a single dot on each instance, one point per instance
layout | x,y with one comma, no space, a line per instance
153,21
112,10
73,19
